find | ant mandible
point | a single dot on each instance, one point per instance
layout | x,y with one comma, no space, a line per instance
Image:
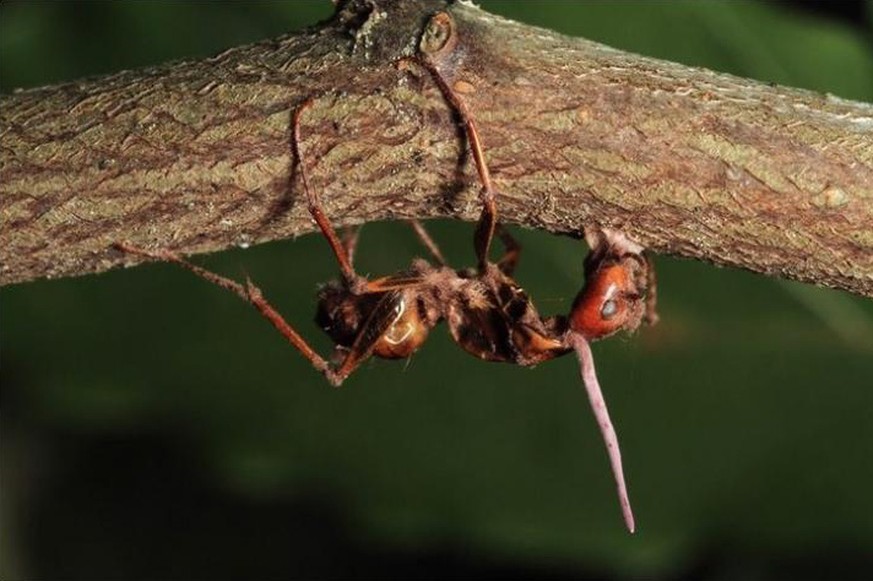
487,312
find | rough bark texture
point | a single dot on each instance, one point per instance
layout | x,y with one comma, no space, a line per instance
195,157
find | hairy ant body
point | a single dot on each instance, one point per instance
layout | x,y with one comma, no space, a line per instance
488,314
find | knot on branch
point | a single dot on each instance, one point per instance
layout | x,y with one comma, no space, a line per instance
440,37
384,30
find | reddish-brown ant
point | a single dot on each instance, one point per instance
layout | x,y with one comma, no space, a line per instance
487,312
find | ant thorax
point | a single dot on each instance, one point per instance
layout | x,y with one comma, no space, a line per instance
491,317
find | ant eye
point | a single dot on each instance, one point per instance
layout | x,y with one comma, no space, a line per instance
608,310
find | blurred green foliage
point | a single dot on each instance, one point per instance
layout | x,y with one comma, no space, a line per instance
154,427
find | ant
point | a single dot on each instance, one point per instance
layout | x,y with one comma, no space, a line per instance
488,314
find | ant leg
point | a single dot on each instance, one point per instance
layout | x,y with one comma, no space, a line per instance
651,314
315,208
350,242
488,218
392,283
428,242
509,261
252,295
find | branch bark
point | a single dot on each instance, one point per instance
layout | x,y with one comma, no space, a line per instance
195,157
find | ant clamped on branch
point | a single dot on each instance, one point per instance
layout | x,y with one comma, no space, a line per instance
488,314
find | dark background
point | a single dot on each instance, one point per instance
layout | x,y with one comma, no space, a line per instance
153,427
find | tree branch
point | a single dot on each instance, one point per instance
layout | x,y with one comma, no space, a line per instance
195,156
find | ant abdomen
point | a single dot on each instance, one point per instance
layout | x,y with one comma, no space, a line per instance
395,323
407,332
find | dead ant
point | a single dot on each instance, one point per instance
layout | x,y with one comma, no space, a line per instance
487,312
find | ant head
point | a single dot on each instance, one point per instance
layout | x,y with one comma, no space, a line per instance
340,313
405,335
611,300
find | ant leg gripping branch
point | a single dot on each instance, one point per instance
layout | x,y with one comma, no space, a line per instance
342,251
488,219
428,242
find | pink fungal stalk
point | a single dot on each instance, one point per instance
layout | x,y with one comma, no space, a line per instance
601,414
